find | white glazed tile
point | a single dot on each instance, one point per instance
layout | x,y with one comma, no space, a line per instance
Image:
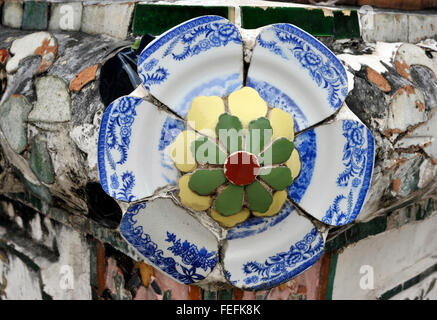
336,175
203,56
133,157
170,239
268,258
294,71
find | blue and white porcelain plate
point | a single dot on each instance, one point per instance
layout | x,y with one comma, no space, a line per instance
290,70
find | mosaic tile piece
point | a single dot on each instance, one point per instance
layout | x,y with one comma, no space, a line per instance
204,113
280,151
189,198
12,14
231,126
180,151
258,198
340,183
294,245
66,16
200,57
35,15
205,182
131,166
295,72
282,124
230,221
230,200
277,178
279,198
170,240
294,163
246,104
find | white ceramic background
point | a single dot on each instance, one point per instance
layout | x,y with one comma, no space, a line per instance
274,256
292,62
141,159
203,56
342,172
170,239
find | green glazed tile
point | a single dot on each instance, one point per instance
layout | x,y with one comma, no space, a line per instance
205,182
278,178
200,150
258,198
230,201
346,26
260,132
280,151
312,21
231,124
35,15
40,160
156,19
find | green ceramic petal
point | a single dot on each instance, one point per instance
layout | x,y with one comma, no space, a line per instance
201,149
278,178
230,201
280,152
260,133
258,198
205,182
231,137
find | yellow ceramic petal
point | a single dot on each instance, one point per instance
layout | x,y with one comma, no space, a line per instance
247,105
294,163
191,199
279,198
282,124
180,151
230,221
204,113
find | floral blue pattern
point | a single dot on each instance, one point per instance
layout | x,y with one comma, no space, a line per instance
187,40
192,258
284,265
358,157
114,140
324,68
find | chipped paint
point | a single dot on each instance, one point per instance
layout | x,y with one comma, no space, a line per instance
378,80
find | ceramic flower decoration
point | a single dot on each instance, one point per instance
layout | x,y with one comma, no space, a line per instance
234,161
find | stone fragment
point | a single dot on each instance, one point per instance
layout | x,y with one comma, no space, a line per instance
82,78
40,160
53,101
39,43
406,110
111,19
410,54
35,15
12,14
13,117
66,16
86,137
204,114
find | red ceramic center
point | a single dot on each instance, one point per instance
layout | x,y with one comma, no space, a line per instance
241,168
